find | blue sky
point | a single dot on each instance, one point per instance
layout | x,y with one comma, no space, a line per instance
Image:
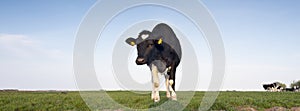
261,41
37,39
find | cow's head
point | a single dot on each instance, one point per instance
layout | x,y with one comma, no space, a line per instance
145,46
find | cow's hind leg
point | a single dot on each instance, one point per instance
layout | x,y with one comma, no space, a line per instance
155,81
172,83
173,94
167,86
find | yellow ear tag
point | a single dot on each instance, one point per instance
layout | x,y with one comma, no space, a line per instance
132,43
160,41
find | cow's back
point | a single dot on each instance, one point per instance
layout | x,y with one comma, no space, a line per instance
168,36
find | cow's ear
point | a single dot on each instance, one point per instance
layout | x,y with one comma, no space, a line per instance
159,41
131,41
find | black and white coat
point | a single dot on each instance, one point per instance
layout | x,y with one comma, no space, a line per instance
161,51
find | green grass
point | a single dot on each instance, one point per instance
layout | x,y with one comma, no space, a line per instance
10,101
126,100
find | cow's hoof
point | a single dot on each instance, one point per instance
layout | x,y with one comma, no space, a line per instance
174,97
156,99
168,95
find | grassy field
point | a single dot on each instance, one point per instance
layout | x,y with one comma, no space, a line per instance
126,100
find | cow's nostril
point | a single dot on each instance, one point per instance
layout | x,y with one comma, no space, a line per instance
140,59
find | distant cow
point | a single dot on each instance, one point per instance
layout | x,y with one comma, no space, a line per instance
297,88
272,87
289,89
293,89
161,51
279,88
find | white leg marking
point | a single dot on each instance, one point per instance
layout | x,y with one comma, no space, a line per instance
167,86
171,82
173,95
155,81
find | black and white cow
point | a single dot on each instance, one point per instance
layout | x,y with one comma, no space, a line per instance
293,89
289,89
161,51
272,87
297,88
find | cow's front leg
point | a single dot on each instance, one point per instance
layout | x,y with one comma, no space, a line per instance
155,81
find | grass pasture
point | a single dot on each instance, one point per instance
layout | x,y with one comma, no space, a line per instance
119,100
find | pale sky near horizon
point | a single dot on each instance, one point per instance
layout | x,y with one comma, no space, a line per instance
261,41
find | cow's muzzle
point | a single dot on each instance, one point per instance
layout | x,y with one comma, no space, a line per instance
140,61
